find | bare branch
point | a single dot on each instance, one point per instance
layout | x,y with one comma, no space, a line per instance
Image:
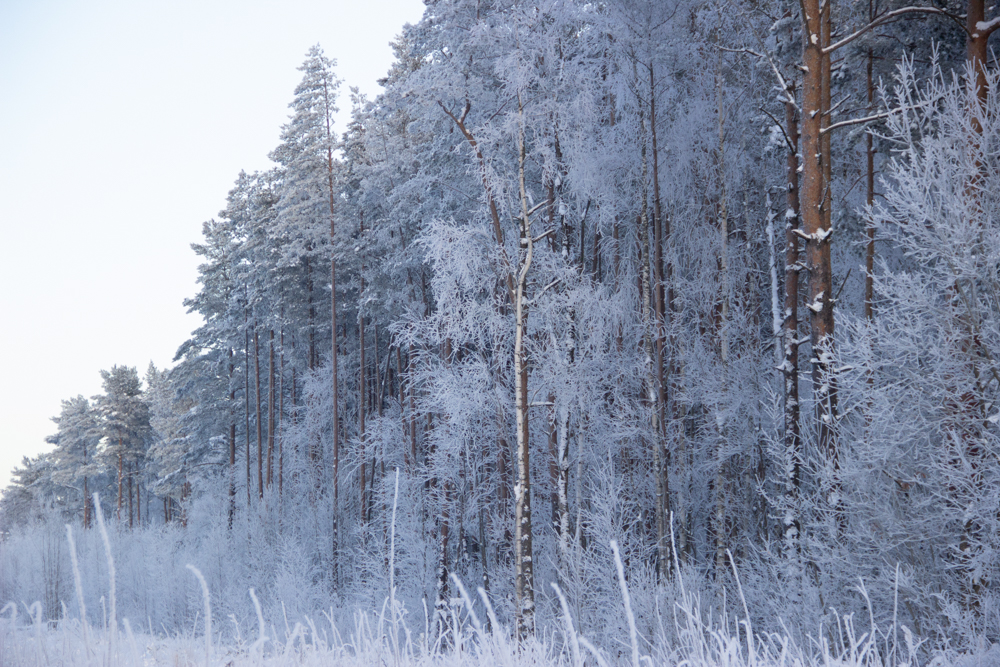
986,28
857,121
774,68
538,206
788,141
891,16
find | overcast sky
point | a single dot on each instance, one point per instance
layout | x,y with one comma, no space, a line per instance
123,125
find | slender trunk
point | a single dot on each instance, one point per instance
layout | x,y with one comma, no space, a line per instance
311,352
649,380
977,50
362,392
524,567
281,413
490,200
270,410
562,484
615,236
484,551
260,435
413,406
292,398
246,402
409,456
86,501
596,256
232,442
121,488
655,347
553,461
870,199
86,492
334,377
130,490
721,482
661,230
441,597
790,364
377,389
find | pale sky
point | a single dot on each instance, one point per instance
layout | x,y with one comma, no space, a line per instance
123,124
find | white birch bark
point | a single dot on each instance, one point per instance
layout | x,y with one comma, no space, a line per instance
524,568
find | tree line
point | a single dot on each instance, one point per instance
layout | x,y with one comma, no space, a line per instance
542,275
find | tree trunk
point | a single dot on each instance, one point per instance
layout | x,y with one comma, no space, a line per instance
333,323
977,49
86,502
270,410
870,199
553,462
413,406
652,306
790,363
968,412
118,513
246,402
815,209
281,412
490,200
260,436
721,482
312,317
86,492
562,483
379,378
441,596
131,486
362,391
232,442
524,567
409,454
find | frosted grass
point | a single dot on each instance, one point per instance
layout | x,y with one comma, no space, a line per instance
370,642
383,639
697,638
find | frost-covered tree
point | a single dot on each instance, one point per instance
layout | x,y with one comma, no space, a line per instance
124,423
923,379
75,448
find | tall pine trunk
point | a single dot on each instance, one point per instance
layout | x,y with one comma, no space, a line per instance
721,483
246,402
362,390
335,417
270,410
232,443
815,210
118,514
660,226
260,435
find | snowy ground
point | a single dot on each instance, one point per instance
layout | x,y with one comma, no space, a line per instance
377,641
694,636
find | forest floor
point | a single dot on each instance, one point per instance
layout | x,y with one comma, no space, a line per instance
372,643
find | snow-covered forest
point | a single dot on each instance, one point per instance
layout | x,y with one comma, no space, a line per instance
649,319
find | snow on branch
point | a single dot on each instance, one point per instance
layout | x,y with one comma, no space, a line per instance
888,17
